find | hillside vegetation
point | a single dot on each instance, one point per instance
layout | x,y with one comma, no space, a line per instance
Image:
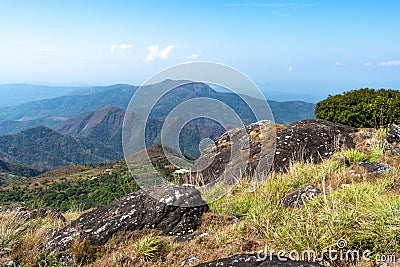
44,148
364,210
362,108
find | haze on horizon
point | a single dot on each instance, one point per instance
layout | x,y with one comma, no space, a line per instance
292,49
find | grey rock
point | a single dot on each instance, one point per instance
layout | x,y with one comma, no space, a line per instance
307,140
375,167
190,261
392,143
24,214
66,259
247,260
185,238
235,154
234,219
393,135
135,212
311,140
300,196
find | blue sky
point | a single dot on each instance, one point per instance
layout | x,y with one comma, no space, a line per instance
292,49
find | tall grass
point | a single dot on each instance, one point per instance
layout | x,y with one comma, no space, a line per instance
366,214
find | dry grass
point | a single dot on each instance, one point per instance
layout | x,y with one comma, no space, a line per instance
363,209
24,239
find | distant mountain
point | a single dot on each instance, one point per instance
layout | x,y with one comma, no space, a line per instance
96,136
18,93
50,112
11,127
96,89
291,111
84,124
44,148
69,106
104,126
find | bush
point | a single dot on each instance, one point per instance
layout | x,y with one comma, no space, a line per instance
362,108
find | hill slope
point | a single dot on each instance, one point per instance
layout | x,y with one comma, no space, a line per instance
44,148
104,126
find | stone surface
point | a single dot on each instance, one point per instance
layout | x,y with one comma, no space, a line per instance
135,212
375,167
393,135
236,153
25,214
392,143
307,140
185,238
247,260
311,140
190,261
300,196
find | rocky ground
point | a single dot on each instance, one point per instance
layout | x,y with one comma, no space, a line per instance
330,181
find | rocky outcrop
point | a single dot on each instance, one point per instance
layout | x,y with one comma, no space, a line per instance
246,260
135,212
307,140
236,153
300,196
375,167
24,214
311,140
393,135
392,143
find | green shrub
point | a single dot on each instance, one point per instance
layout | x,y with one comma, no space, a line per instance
362,108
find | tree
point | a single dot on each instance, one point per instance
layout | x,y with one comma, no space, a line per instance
362,108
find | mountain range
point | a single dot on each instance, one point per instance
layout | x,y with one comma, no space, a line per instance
53,111
86,127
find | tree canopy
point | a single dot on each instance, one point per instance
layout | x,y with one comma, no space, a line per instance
362,108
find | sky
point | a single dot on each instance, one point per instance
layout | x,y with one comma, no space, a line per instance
293,50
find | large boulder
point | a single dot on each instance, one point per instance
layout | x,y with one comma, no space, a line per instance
311,140
246,260
135,212
392,143
236,153
241,151
393,135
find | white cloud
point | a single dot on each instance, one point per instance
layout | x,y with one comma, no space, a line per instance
155,52
165,52
389,63
193,56
123,46
367,64
290,69
82,58
338,63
